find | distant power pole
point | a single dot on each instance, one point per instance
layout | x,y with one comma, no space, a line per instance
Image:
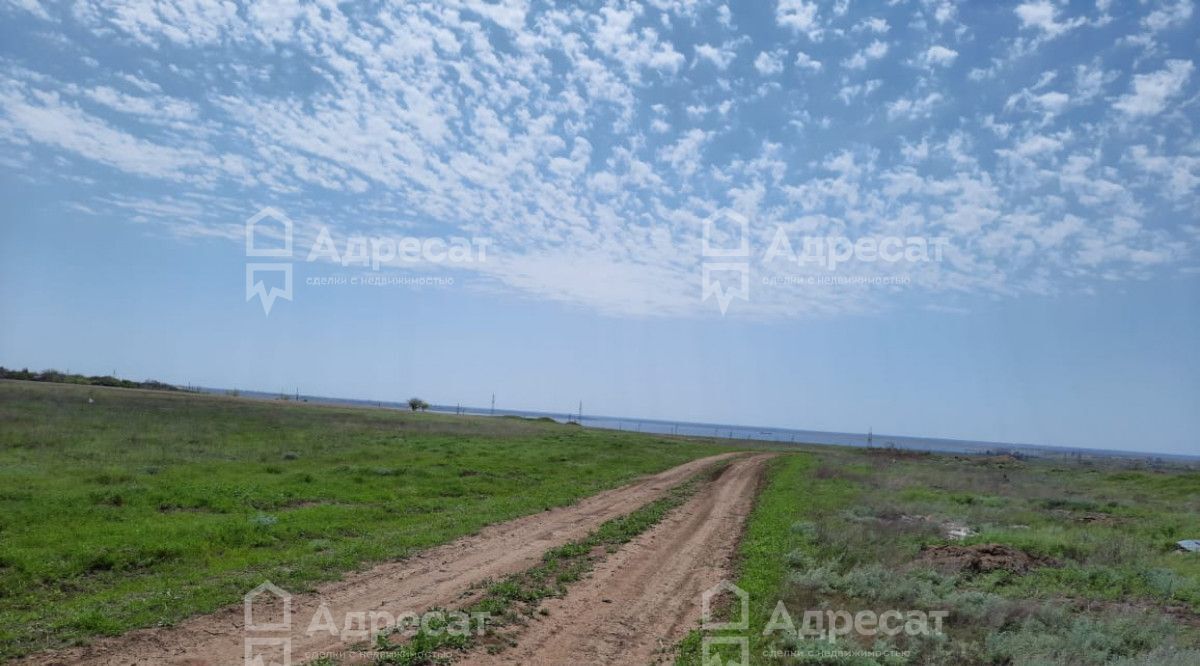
580,412
493,404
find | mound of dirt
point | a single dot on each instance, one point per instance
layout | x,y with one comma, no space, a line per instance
982,558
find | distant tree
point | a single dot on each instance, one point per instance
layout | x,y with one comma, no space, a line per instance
417,403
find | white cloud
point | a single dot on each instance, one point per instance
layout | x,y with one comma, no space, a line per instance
617,37
799,15
1168,16
873,24
724,16
151,108
874,51
32,6
804,61
685,155
1152,91
1049,104
1178,175
721,56
1090,81
1037,144
185,22
849,92
769,64
913,108
1057,233
1043,16
944,11
574,139
939,55
46,118
1052,102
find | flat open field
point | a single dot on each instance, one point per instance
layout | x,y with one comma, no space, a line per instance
143,508
1033,562
131,526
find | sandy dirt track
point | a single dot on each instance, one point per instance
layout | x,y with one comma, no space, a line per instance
432,578
644,598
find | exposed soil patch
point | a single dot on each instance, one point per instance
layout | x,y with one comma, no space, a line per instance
1180,613
175,508
645,597
304,504
982,558
437,577
1088,517
946,527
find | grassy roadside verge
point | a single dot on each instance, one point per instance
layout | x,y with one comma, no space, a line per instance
769,538
1033,562
140,508
511,601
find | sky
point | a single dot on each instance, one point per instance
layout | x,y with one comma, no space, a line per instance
924,217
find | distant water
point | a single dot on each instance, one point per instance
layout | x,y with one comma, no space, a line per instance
752,433
793,436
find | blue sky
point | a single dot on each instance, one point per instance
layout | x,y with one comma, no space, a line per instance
1048,149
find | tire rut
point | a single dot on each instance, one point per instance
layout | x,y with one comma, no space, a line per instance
643,599
432,578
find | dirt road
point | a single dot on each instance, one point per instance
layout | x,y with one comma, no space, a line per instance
642,599
433,578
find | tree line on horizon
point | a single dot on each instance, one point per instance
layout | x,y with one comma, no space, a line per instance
58,377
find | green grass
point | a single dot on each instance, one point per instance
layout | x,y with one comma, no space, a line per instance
773,543
844,529
520,595
142,508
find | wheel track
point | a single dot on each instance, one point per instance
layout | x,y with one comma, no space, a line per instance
432,578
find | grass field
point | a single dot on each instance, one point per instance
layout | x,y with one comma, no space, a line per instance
141,508
126,508
856,530
510,601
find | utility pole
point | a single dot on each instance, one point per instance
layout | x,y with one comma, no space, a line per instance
493,404
580,412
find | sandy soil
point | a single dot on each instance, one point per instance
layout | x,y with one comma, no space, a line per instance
433,578
644,598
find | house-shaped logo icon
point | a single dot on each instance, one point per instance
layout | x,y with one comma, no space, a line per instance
261,224
742,623
251,599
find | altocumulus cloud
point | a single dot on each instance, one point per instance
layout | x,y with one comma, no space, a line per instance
591,145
